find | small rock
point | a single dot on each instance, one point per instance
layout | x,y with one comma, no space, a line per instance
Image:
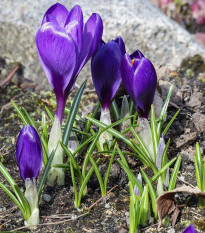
199,121
46,197
107,206
195,100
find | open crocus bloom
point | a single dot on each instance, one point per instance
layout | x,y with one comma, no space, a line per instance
29,160
105,68
140,80
64,47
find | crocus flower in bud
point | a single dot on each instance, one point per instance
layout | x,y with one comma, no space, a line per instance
140,80
64,47
105,68
136,189
29,153
29,160
190,229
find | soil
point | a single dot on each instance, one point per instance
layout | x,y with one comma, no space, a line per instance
57,211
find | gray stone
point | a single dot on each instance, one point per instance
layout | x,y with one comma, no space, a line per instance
138,22
47,197
199,121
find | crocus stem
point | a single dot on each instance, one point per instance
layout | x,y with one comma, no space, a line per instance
105,137
31,195
60,107
55,136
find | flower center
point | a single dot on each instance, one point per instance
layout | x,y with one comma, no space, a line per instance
132,61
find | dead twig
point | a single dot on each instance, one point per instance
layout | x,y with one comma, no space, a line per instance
52,223
10,76
102,197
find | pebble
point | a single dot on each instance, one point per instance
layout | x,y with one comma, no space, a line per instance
199,121
47,197
107,205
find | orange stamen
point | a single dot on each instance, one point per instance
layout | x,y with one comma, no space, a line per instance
132,61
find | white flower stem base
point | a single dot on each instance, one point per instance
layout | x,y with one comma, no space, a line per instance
105,137
31,195
56,173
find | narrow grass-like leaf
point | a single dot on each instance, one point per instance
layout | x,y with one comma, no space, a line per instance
151,191
29,119
174,174
14,199
49,113
131,176
203,178
20,114
44,131
24,203
74,183
89,153
164,159
131,107
76,130
115,111
45,173
62,165
134,119
163,112
154,132
71,116
197,173
199,160
112,131
170,122
45,149
108,170
122,156
144,206
74,162
88,122
158,174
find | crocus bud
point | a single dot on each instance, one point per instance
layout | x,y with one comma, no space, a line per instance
105,68
190,229
140,80
29,153
64,48
136,189
29,160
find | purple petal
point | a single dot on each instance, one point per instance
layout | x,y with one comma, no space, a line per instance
121,44
57,53
136,189
57,12
136,55
91,39
74,26
29,153
105,68
142,84
190,229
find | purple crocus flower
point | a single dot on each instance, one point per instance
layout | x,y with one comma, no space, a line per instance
190,229
105,68
64,48
140,80
29,153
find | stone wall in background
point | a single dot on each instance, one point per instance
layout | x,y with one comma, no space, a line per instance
138,22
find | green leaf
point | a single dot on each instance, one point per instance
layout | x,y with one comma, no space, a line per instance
29,119
144,206
72,114
14,199
197,173
151,191
74,183
131,176
174,174
49,114
45,173
20,114
170,122
163,112
164,159
154,132
115,111
163,169
199,160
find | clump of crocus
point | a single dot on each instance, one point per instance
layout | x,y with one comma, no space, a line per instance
64,48
105,68
29,160
140,80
